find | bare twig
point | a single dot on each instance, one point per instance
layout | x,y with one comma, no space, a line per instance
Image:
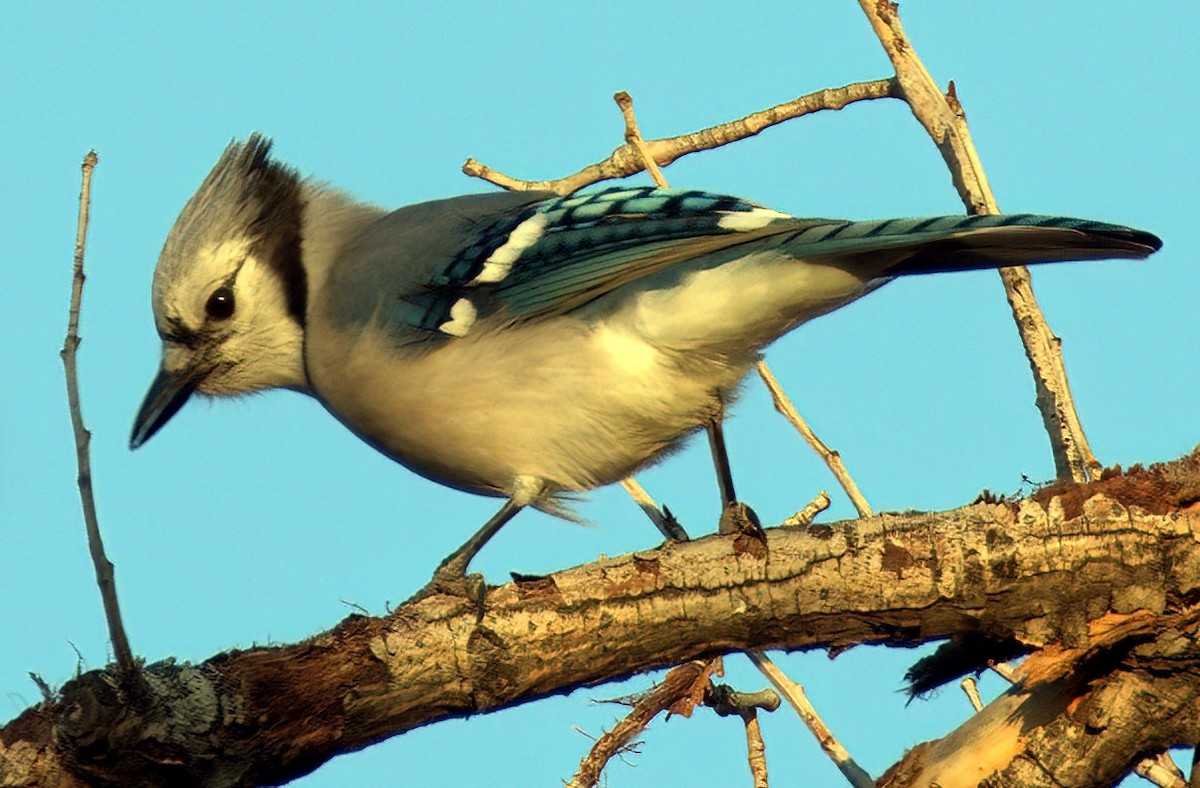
756,751
971,687
943,118
1004,671
83,438
834,460
795,696
662,518
1162,771
726,701
677,684
805,517
634,137
626,160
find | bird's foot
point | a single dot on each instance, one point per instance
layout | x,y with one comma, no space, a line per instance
740,521
451,579
738,518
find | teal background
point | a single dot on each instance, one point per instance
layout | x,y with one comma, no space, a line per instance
257,521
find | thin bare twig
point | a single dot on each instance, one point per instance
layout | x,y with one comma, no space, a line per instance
971,687
83,438
662,518
626,160
756,751
943,117
677,684
634,137
726,701
794,693
834,460
805,517
1162,771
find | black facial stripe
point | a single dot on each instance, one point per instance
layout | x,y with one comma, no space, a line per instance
278,229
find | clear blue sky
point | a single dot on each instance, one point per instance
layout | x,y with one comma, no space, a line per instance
249,522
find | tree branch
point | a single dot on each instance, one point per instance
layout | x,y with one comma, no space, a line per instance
679,682
105,578
943,117
626,160
1040,571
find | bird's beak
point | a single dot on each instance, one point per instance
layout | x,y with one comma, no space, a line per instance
166,396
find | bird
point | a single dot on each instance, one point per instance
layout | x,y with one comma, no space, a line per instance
526,345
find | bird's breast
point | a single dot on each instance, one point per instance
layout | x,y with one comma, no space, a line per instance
560,400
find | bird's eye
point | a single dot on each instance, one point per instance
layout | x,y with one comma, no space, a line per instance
220,303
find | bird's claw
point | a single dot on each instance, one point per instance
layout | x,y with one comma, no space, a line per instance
738,518
450,579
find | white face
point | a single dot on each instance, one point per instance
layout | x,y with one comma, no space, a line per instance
225,324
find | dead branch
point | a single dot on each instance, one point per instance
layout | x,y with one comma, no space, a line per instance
944,119
677,684
1040,571
105,578
626,160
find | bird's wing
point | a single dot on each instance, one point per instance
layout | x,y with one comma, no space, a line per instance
552,256
562,253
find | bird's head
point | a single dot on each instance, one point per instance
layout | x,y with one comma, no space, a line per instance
230,289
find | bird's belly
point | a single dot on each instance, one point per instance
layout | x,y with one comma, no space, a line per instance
573,407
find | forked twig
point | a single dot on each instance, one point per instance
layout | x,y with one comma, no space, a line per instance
626,160
634,137
104,568
726,702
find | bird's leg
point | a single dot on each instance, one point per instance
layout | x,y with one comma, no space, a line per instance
735,516
450,576
716,442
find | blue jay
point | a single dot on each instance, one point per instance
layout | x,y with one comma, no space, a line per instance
526,345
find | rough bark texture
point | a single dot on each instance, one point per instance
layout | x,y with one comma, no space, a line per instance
1102,578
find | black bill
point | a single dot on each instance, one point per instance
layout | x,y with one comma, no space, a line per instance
166,396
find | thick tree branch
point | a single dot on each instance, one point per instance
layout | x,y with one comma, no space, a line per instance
1041,571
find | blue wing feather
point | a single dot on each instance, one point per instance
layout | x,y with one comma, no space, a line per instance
555,255
583,244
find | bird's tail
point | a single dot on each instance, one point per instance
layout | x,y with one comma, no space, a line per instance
898,247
